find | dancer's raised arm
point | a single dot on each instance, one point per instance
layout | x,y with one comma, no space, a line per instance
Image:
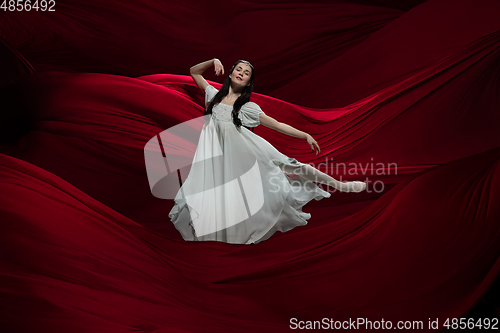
197,70
288,130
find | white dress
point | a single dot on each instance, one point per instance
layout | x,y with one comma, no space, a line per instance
235,191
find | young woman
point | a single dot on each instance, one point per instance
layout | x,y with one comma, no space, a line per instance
239,188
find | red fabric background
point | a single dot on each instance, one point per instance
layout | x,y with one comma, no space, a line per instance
87,248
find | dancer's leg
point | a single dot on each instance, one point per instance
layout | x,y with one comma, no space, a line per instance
311,173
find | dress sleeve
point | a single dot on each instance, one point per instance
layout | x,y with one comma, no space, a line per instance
249,114
210,93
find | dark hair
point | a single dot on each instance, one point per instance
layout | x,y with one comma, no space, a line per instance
244,97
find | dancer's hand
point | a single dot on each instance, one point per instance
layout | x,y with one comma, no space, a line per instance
313,144
219,69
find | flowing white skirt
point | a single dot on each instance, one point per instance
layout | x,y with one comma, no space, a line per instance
236,192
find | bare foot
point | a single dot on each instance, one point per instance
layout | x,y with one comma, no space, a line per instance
359,186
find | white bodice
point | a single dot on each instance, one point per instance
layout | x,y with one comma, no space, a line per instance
249,113
222,112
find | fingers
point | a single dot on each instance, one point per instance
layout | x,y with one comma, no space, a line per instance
219,70
314,146
317,146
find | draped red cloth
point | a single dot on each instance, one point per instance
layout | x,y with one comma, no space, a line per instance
404,93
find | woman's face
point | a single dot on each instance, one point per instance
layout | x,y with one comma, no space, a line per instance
241,74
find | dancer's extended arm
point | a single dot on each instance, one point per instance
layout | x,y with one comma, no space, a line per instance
289,130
